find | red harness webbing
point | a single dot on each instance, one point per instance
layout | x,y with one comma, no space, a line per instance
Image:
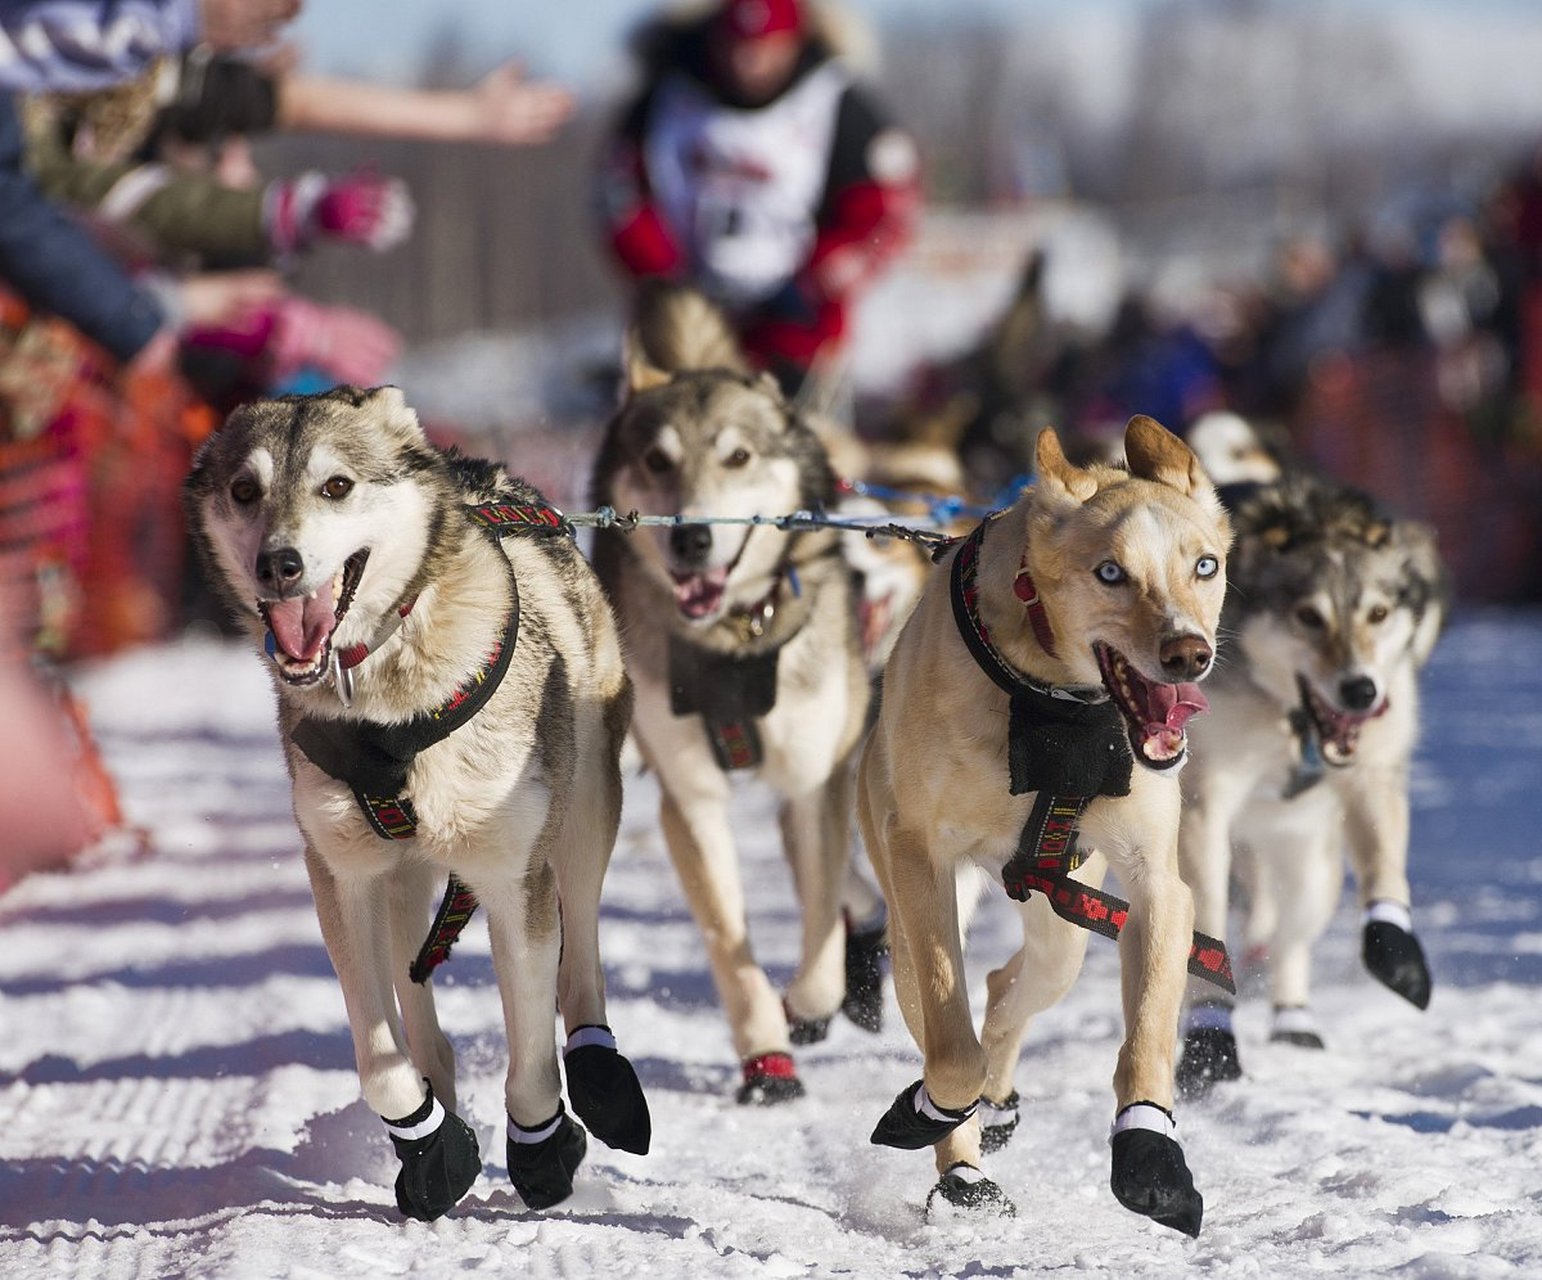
1047,854
393,818
458,906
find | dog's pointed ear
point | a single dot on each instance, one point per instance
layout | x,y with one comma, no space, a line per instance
1155,453
641,373
1057,476
768,382
391,403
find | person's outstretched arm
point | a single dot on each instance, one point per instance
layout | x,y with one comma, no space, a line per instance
503,107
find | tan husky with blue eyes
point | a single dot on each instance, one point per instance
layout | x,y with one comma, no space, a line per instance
1041,689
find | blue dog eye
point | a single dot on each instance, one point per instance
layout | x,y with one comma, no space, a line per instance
1207,567
1110,572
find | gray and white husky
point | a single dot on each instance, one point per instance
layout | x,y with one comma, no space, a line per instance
743,644
1332,607
452,702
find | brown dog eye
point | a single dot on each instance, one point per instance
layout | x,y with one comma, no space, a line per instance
1378,613
337,487
1309,617
657,461
738,458
244,491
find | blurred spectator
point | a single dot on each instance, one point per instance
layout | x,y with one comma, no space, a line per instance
45,819
754,166
61,399
90,44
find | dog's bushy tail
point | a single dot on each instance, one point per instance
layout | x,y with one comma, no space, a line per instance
675,327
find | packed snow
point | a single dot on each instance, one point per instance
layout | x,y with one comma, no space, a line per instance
178,1099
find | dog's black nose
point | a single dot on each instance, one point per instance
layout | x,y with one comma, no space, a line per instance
279,569
1359,693
1185,657
690,543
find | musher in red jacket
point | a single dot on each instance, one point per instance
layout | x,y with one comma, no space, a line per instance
753,166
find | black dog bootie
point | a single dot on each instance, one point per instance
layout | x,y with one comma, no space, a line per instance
963,1191
914,1121
605,1091
439,1159
1209,1050
1149,1174
865,951
1393,954
542,1160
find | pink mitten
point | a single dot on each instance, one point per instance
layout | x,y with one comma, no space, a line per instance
359,208
351,345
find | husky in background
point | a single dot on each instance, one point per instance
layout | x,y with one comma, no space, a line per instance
1332,608
452,701
742,642
1043,685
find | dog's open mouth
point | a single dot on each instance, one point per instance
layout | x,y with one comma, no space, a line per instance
300,628
1338,731
700,595
1155,713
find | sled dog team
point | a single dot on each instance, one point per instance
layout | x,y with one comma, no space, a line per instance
455,684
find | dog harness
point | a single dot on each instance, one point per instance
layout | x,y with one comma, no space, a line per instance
731,691
1069,746
374,759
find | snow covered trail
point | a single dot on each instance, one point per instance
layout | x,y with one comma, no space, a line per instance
177,1094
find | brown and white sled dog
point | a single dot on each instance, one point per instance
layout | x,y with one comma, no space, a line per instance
1043,684
1333,607
743,646
452,701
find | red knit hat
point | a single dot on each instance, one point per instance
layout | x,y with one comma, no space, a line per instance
751,19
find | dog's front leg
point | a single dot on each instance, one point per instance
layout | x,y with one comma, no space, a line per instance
1149,1173
701,846
545,1144
929,981
1036,978
437,1149
816,829
412,899
1211,803
354,913
1377,824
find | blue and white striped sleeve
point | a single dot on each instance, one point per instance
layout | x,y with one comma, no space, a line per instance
77,45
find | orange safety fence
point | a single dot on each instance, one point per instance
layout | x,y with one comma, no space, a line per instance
91,460
1377,420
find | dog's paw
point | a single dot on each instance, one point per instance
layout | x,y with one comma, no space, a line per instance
1294,1024
605,1091
964,1192
1209,1058
542,1161
998,1122
805,1031
769,1078
1149,1175
439,1159
865,950
1395,958
914,1121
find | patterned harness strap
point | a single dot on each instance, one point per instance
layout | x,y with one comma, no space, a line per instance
455,910
391,815
394,819
1047,854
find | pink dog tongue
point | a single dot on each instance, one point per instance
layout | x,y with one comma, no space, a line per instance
1176,704
697,594
300,626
